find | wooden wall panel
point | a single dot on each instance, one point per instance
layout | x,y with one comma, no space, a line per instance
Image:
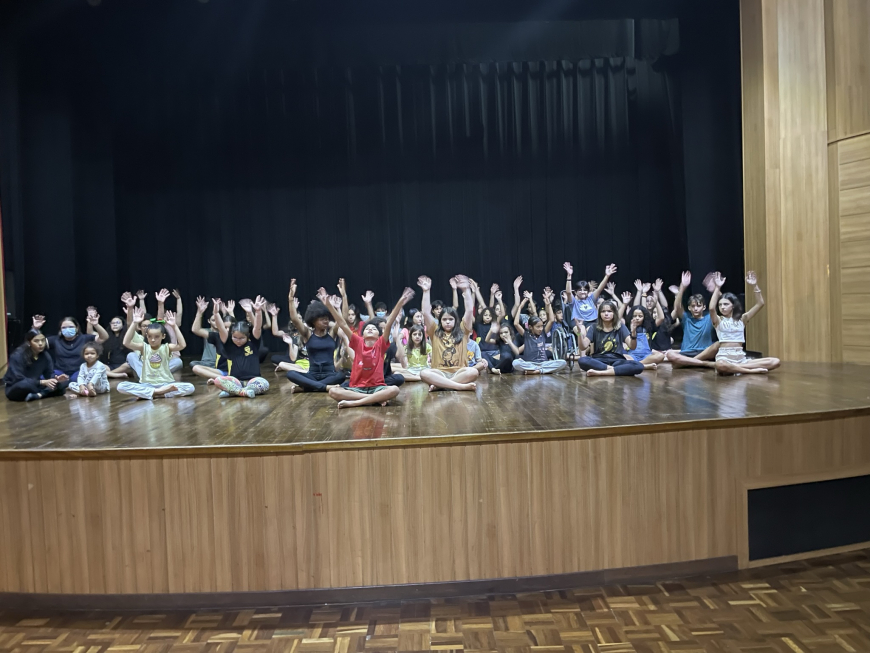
848,54
376,517
786,201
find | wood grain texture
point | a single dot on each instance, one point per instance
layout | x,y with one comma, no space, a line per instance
848,57
394,516
786,217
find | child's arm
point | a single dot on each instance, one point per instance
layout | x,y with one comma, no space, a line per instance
141,294
201,307
333,304
161,297
517,301
258,305
639,285
584,341
659,295
304,331
531,298
475,289
548,303
455,294
468,298
274,310
94,325
659,314
179,306
129,304
609,271
685,282
407,295
492,291
180,342
718,282
342,292
623,306
367,301
292,349
518,323
425,284
267,316
492,334
138,316
631,340
219,320
752,280
570,270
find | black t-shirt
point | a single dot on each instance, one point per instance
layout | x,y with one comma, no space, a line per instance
21,367
608,345
214,338
114,351
245,359
661,337
535,347
67,354
482,331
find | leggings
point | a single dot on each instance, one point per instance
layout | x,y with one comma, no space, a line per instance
622,367
317,378
146,390
263,353
505,364
547,367
19,391
232,387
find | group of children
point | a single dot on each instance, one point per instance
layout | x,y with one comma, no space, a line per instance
362,359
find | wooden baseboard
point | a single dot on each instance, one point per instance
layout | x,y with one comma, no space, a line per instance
239,600
808,555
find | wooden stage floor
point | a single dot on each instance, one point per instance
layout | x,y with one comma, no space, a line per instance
503,408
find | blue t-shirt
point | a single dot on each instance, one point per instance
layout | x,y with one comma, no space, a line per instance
697,333
585,311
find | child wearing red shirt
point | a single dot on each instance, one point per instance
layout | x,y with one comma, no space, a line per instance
367,384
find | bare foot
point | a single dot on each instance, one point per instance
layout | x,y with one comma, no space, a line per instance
757,370
432,388
495,371
471,386
345,404
385,403
165,390
210,382
650,366
594,373
84,392
295,388
334,385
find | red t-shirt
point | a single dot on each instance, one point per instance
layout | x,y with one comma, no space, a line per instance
368,363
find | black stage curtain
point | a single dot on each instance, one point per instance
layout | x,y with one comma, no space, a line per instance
225,170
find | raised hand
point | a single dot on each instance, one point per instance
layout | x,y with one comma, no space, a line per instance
611,289
138,315
475,288
368,297
292,289
547,298
92,310
342,287
751,279
322,295
568,268
335,300
719,280
686,280
564,296
646,287
141,294
201,304
169,316
176,293
582,329
709,281
593,285
246,304
93,318
216,306
273,309
296,302
162,296
527,295
453,283
462,282
38,321
498,295
626,298
407,295
425,283
493,288
518,282
674,289
610,270
259,303
638,284
287,338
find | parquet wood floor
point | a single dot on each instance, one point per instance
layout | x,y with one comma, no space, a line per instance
820,606
507,405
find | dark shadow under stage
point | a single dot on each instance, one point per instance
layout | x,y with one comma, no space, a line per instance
502,409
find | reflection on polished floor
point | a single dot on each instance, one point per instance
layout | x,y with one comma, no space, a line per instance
501,407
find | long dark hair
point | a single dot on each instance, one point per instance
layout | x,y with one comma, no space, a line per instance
25,348
416,328
353,325
124,324
457,327
737,312
485,310
615,323
648,323
409,319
